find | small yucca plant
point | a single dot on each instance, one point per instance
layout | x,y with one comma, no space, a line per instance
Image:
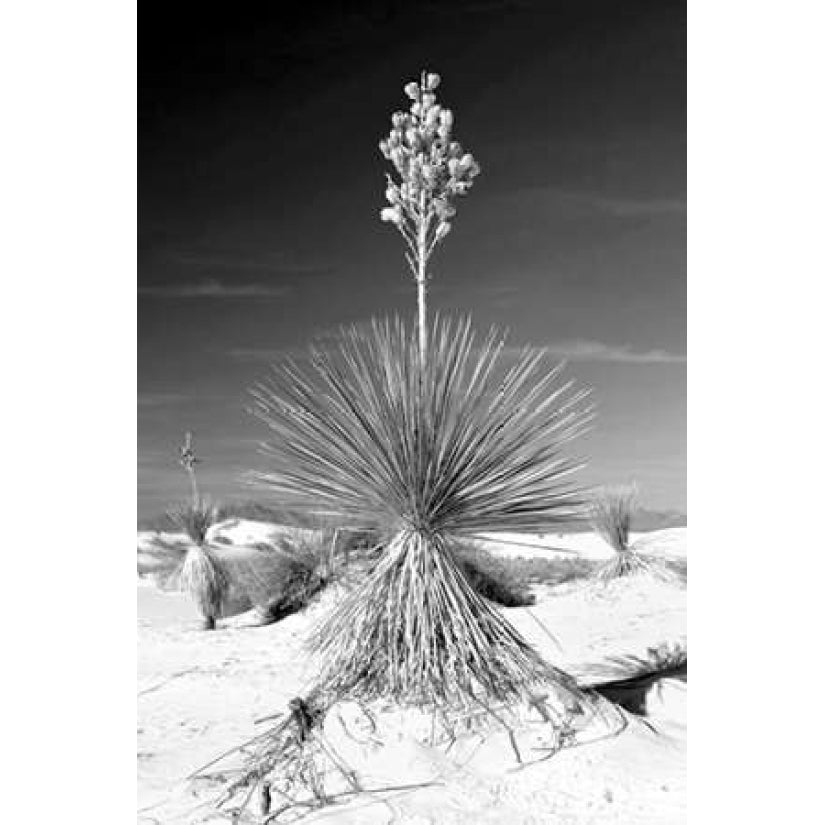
611,511
202,574
367,435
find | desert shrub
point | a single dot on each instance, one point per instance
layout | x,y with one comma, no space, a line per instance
493,577
611,512
666,659
508,580
551,571
678,567
287,574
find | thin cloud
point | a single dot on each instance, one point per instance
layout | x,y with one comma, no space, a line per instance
259,354
269,264
631,207
588,201
575,350
596,351
214,289
160,399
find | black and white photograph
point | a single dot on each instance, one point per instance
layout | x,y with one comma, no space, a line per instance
412,413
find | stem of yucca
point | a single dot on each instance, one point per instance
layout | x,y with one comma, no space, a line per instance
194,481
421,277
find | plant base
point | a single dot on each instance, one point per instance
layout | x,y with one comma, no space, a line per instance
206,581
631,563
416,631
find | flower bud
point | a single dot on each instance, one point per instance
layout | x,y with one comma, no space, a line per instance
398,119
390,214
411,90
432,81
443,230
428,100
443,208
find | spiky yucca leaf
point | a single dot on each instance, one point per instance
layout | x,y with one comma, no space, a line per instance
610,514
205,579
364,434
418,631
195,518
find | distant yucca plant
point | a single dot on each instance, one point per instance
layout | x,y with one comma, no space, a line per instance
366,435
201,573
611,511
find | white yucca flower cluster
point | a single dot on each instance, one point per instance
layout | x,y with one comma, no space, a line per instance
432,167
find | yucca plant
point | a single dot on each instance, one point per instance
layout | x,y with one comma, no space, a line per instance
201,573
425,436
367,435
611,511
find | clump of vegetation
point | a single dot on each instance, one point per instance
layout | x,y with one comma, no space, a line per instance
611,513
509,581
202,574
627,680
286,575
278,577
493,577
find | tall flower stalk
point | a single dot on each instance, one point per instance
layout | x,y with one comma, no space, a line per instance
188,460
432,169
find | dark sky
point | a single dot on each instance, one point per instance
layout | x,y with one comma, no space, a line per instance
260,184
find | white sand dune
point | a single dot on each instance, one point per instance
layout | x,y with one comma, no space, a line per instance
200,694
